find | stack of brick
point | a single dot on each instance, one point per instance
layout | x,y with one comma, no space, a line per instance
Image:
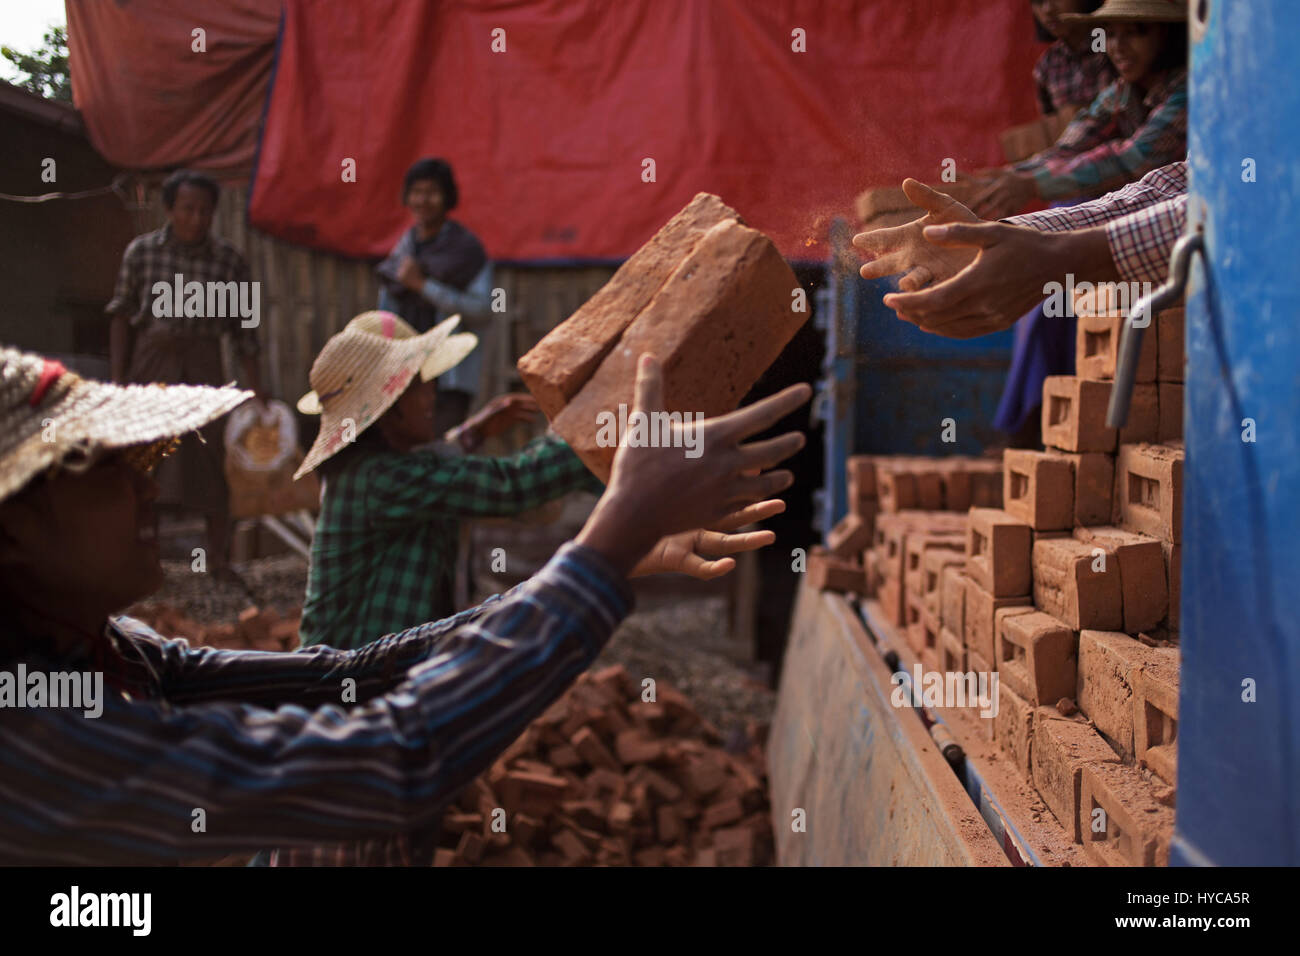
606,778
710,297
888,485
1072,588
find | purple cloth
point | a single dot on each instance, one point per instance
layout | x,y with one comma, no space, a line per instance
1042,347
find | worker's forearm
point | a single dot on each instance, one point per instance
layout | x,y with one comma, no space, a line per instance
1086,254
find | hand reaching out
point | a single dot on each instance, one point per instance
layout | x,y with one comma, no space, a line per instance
705,554
903,249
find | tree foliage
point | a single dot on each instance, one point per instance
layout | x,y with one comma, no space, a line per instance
46,68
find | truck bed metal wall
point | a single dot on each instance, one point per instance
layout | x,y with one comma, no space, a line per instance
872,786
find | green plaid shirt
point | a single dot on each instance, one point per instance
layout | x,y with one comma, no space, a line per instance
385,547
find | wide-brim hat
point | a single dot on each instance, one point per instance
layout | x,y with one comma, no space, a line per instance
52,418
365,368
1130,11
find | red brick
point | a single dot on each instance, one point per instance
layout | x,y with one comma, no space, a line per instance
1075,586
1171,412
1149,486
978,664
1013,727
562,362
715,325
1097,347
890,595
998,552
981,610
1038,489
1108,666
470,847
1074,415
930,637
952,652
632,746
1144,582
1169,326
734,846
660,785
918,545
952,600
929,488
534,793
1094,485
1037,657
592,750
720,814
956,484
914,608
574,849
1062,748
935,562
1155,718
860,473
829,573
1135,828
986,485
850,536
896,489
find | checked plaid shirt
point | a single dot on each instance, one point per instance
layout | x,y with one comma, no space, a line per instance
386,540
1143,221
158,257
1118,137
1066,78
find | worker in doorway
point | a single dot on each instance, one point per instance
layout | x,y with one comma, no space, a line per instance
161,334
391,504
437,269
322,747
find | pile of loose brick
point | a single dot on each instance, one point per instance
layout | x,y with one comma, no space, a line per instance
255,628
601,778
1069,590
606,778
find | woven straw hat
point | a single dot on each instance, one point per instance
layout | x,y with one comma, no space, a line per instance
52,418
364,369
1131,11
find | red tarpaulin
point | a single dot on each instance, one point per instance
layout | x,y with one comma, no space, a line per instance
549,137
150,100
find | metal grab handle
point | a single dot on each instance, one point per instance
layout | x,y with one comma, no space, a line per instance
1139,317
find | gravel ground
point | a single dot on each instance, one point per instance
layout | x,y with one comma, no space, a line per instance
685,643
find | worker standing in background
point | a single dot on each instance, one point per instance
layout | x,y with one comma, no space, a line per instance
392,500
437,269
1069,74
1136,124
171,345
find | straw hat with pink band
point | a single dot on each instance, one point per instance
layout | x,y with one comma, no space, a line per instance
365,368
53,419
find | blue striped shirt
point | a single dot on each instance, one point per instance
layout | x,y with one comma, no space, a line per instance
269,747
